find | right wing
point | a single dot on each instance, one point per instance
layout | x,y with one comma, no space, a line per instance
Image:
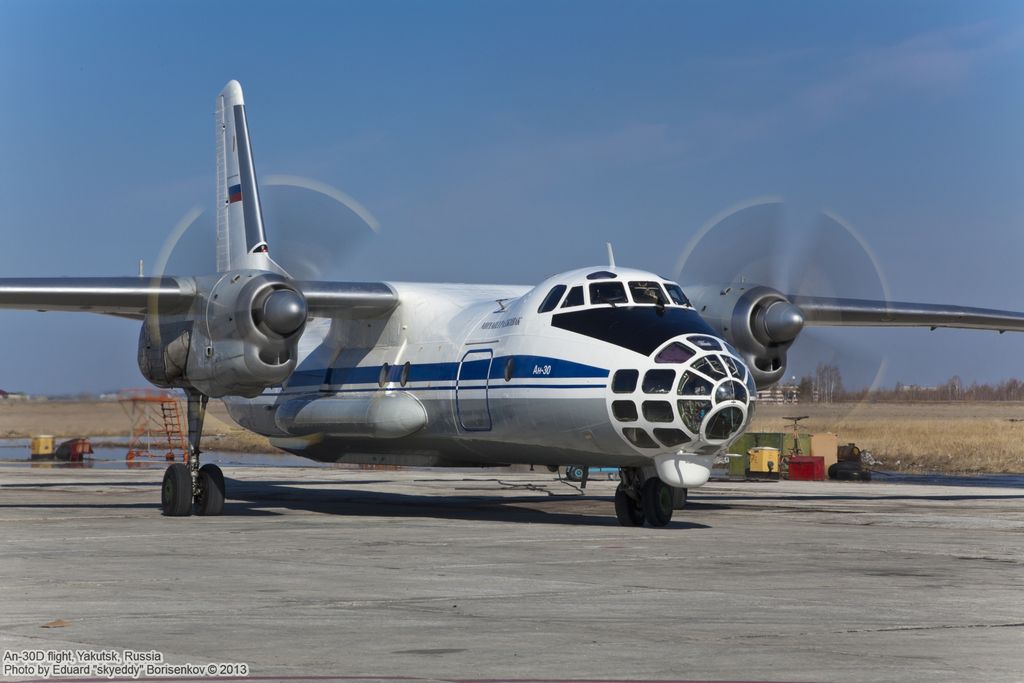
831,311
130,297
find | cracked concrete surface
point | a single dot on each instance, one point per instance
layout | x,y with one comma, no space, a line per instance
454,575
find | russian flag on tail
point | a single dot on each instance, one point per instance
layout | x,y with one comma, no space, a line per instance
234,194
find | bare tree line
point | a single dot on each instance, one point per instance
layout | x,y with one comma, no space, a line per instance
826,386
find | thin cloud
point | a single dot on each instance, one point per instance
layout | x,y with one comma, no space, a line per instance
937,62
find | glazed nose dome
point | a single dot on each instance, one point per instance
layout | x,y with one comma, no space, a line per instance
695,394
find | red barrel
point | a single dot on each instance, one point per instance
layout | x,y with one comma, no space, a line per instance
807,468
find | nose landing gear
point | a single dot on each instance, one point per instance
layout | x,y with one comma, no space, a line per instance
187,487
642,499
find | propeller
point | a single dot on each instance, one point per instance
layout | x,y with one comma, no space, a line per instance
755,243
314,229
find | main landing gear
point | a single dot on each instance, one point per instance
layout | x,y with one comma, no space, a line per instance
640,499
187,487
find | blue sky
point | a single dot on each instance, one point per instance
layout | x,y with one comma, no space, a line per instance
504,142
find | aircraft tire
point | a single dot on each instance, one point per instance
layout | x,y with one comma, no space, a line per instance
657,502
176,492
210,501
628,511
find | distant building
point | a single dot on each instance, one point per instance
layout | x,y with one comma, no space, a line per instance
13,396
780,393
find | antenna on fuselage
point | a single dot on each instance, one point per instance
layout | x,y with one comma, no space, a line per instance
611,255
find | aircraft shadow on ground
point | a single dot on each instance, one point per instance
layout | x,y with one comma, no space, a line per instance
263,498
254,497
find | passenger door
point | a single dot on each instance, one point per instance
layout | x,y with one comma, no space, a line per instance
471,390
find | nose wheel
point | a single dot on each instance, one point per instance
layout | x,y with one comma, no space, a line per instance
187,487
643,500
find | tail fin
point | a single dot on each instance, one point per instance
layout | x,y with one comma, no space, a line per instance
241,240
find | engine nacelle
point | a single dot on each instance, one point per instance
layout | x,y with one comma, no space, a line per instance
239,338
759,321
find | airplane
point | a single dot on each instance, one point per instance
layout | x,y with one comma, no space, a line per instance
601,366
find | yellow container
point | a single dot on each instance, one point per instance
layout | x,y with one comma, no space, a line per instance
42,445
764,460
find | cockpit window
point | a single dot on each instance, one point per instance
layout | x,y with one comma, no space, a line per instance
608,293
647,293
601,275
575,298
552,299
676,292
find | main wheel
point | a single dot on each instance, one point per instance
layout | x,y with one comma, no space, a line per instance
627,510
176,494
210,500
657,502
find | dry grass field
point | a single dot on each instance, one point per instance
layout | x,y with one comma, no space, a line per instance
937,437
67,419
941,437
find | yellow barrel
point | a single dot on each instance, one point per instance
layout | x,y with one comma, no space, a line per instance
764,460
42,445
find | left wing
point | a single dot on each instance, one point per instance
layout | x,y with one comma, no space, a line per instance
135,297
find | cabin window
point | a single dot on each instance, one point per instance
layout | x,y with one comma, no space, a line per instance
725,424
639,437
710,366
659,381
676,293
658,411
733,368
674,353
693,384
693,413
647,293
574,298
624,381
671,437
608,293
404,378
510,368
706,343
730,391
382,378
552,299
624,411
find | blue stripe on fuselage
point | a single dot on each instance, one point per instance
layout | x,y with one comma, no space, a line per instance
534,367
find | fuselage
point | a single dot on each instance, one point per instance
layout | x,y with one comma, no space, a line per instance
598,366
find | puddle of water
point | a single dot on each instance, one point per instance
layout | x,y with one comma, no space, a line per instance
932,478
16,451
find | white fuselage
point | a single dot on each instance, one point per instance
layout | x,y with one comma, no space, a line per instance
480,375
